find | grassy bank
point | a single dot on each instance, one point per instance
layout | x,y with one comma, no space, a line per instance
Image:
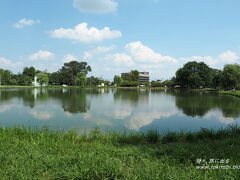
44,154
233,93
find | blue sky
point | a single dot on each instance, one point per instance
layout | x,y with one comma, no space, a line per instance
116,36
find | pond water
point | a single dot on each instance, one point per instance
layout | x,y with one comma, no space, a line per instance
117,109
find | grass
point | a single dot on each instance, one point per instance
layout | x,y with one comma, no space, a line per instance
44,154
233,93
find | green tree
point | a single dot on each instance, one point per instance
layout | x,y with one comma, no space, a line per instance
42,78
193,75
117,80
70,70
6,77
231,76
134,75
55,78
29,72
81,79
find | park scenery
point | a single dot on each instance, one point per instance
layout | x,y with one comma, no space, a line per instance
110,89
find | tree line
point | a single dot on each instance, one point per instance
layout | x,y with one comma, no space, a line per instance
72,74
192,75
200,75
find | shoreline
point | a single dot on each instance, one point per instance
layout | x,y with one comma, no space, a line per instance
40,153
232,93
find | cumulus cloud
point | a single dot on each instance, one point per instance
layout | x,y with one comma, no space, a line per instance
8,64
41,55
95,6
207,59
224,58
121,59
82,33
25,22
228,57
97,50
68,58
142,53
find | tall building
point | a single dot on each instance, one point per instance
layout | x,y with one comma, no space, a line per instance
143,76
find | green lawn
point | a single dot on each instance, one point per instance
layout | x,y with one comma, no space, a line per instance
43,154
233,93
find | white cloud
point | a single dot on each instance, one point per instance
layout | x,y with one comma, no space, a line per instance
228,57
25,22
41,115
96,6
8,64
142,53
121,59
68,58
82,33
87,55
207,59
41,55
97,50
223,58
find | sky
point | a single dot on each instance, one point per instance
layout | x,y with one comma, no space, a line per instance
113,36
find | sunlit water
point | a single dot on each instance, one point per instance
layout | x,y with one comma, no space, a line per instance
117,109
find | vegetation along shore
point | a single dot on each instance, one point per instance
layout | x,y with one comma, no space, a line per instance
44,154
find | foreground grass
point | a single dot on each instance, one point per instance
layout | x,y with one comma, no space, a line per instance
233,93
43,154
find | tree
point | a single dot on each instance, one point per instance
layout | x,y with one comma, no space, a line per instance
29,72
231,76
193,75
6,77
81,79
70,70
134,75
55,78
42,78
156,84
217,79
117,80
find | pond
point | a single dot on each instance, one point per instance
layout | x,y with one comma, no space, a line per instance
120,109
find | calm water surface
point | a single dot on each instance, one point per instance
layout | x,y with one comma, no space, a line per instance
117,109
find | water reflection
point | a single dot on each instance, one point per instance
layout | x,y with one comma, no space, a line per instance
132,96
131,109
199,104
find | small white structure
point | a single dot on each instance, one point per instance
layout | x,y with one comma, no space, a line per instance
64,85
36,83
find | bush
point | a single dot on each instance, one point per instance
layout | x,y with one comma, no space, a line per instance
126,83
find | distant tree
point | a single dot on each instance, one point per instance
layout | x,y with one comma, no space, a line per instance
29,72
42,78
81,79
217,79
117,80
70,70
156,84
134,75
6,77
55,78
93,81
